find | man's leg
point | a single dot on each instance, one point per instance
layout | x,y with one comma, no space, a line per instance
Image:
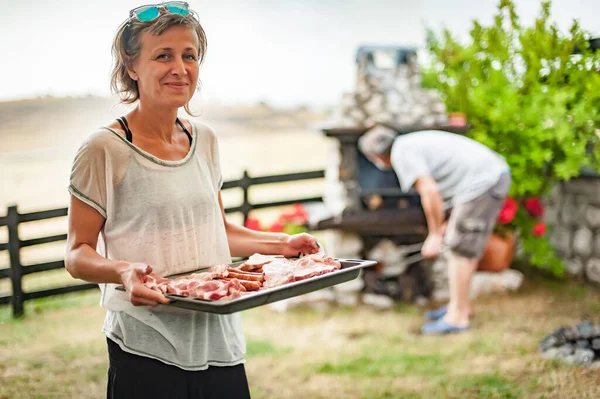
460,273
468,230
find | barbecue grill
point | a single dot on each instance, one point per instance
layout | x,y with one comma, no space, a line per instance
378,210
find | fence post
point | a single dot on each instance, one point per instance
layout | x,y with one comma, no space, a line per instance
246,182
14,247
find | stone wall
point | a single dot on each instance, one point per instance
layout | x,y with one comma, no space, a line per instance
573,212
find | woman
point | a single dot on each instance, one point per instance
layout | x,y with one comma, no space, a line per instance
145,197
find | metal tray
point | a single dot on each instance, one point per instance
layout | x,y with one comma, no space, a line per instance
349,271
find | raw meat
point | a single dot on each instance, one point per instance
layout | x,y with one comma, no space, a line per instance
196,287
278,272
225,282
314,265
256,261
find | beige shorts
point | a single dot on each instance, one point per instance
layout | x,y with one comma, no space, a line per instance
472,222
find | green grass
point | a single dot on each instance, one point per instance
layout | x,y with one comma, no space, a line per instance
381,364
57,302
487,386
256,348
58,351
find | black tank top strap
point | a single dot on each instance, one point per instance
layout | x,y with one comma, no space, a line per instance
125,126
185,130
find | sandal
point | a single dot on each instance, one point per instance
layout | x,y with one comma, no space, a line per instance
440,327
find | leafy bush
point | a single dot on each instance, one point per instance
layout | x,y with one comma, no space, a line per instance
528,97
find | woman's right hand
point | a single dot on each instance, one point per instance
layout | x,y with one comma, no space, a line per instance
132,278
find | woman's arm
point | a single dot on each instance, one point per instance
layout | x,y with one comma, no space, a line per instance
245,242
83,262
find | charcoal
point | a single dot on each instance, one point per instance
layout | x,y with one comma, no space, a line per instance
553,340
571,334
566,350
583,356
583,344
561,332
551,353
585,329
578,345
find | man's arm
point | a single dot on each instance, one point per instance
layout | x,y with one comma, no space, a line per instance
433,206
432,203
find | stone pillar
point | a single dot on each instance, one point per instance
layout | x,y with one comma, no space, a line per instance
390,96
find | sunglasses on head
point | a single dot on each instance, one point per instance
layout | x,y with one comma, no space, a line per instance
152,11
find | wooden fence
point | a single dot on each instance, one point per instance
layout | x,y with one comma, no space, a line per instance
14,245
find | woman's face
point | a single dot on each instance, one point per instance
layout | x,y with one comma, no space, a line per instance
167,67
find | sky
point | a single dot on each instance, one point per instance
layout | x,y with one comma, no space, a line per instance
284,52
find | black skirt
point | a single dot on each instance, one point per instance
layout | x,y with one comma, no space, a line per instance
131,376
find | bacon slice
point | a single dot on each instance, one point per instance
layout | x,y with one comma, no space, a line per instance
234,273
256,261
196,286
155,282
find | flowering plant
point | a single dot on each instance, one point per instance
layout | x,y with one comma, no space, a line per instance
291,222
512,216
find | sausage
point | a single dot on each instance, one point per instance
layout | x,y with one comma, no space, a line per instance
246,277
247,267
242,275
249,285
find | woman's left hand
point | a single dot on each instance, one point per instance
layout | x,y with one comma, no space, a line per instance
300,244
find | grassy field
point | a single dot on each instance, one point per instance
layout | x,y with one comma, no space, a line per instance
58,351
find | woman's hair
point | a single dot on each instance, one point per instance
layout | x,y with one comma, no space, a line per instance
127,45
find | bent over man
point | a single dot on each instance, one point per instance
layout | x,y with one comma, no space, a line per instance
454,172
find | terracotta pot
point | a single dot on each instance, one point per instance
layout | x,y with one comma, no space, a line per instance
498,254
458,119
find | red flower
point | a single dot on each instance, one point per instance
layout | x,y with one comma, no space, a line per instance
508,212
276,227
539,229
297,216
534,207
253,224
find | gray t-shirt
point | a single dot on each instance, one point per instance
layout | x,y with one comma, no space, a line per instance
165,214
463,168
